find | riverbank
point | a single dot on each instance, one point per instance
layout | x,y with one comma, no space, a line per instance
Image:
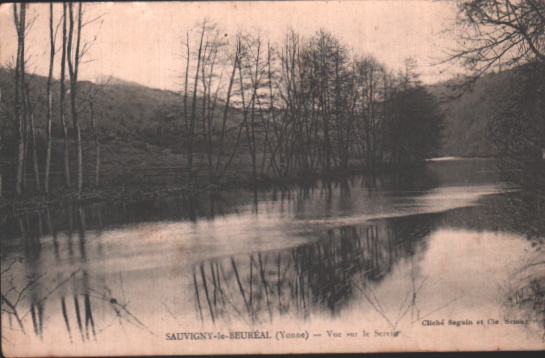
140,192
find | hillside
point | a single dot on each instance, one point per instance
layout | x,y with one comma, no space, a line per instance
138,126
467,115
141,127
125,111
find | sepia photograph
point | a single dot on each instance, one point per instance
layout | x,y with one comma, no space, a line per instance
272,177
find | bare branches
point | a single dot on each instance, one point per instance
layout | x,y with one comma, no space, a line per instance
500,33
508,34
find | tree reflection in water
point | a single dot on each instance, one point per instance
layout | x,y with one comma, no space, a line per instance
26,300
323,276
337,267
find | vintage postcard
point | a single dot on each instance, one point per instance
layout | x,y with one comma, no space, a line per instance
272,177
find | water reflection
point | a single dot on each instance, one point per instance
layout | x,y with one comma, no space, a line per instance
326,197
323,276
73,296
323,249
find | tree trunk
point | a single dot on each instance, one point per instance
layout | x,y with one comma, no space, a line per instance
73,66
49,99
32,128
1,143
194,108
252,115
97,144
227,107
19,16
66,149
186,119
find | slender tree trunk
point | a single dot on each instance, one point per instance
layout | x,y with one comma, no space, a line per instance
270,118
97,143
49,98
186,79
73,101
227,105
205,100
27,141
33,142
250,126
209,108
62,109
19,15
194,107
73,67
186,119
205,92
244,108
1,141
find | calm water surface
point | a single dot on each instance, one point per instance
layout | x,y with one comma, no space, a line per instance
395,251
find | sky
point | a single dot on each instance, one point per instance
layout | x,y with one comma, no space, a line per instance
141,41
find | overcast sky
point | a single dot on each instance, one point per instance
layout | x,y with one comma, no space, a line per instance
140,41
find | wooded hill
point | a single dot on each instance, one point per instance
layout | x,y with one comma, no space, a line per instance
139,127
468,111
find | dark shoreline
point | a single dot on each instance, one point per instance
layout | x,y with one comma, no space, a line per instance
136,192
139,192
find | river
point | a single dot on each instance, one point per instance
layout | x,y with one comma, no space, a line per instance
423,257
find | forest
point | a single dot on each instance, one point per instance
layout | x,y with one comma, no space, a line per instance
249,111
246,109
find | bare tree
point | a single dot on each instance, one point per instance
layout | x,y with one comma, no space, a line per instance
1,140
211,61
97,142
32,133
210,55
238,49
89,99
62,96
186,82
368,74
49,93
19,16
74,56
500,32
306,109
193,118
251,74
226,108
269,120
